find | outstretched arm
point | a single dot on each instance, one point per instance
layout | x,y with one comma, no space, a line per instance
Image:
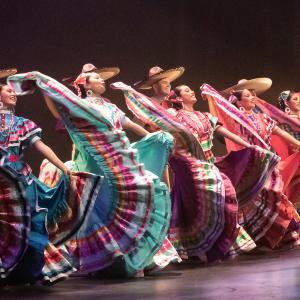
286,136
51,106
139,130
228,134
48,153
138,121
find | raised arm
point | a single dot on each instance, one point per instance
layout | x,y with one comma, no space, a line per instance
51,106
138,121
228,134
139,130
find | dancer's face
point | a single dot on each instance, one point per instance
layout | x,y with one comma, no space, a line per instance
162,87
187,95
8,97
247,100
294,103
96,84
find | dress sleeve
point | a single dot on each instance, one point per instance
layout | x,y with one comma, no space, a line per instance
270,122
120,116
29,133
172,112
214,121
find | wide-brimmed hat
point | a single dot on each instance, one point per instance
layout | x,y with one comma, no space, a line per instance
156,74
105,73
259,85
7,72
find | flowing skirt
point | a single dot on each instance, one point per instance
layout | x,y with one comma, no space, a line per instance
207,201
39,218
97,245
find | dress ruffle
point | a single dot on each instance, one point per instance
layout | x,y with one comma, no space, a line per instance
132,211
133,222
198,201
14,222
44,217
247,171
270,217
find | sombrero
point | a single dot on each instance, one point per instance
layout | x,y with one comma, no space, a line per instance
7,72
156,74
105,73
260,85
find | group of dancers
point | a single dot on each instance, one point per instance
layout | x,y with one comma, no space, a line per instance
165,198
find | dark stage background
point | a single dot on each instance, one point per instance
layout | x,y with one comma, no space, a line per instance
218,42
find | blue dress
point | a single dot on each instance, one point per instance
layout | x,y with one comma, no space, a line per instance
40,213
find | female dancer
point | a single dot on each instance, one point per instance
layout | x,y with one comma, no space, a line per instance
203,126
132,211
287,119
289,102
271,219
204,208
43,214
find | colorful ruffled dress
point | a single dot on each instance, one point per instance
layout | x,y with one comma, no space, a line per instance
270,218
204,206
34,217
148,151
241,179
288,168
131,215
290,157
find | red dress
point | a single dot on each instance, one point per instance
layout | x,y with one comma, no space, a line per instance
270,217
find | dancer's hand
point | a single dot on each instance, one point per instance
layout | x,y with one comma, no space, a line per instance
294,148
67,171
28,85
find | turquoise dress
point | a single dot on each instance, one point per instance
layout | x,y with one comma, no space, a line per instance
31,256
131,215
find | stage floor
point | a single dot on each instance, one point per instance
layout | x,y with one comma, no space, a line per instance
272,276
